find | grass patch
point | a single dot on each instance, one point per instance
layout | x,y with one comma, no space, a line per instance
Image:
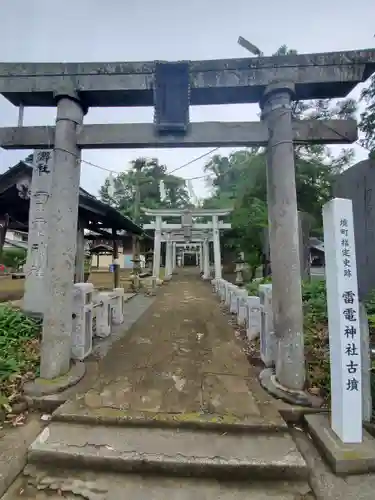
253,286
314,298
19,353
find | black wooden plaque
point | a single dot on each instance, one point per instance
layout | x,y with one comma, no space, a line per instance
171,97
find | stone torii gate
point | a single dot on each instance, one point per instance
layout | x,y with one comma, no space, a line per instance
190,248
273,82
198,239
188,231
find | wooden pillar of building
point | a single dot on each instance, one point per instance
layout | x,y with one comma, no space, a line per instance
116,264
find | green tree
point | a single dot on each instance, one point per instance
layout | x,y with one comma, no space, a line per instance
240,180
243,186
367,123
151,173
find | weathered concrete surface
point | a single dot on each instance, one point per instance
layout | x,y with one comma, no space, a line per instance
321,59
343,458
180,363
304,399
43,387
134,307
212,82
49,402
43,485
294,415
132,312
176,452
325,484
13,449
142,135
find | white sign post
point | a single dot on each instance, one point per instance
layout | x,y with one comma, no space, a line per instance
343,320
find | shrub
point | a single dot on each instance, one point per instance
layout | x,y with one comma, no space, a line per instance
370,307
314,299
13,257
19,350
253,287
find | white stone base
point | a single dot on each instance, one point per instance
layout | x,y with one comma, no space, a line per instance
103,314
82,320
253,317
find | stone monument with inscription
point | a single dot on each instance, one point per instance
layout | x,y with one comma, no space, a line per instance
343,319
34,300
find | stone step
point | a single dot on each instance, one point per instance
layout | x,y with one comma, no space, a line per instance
40,484
170,451
192,421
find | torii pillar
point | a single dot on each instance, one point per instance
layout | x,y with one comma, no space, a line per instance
173,256
284,238
168,256
62,238
157,248
206,259
217,251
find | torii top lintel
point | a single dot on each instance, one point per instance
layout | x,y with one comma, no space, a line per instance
195,212
224,81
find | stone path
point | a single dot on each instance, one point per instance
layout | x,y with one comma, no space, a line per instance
180,361
176,412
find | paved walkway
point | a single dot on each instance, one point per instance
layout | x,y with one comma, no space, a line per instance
179,367
179,362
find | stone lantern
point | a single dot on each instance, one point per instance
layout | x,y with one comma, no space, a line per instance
149,260
240,264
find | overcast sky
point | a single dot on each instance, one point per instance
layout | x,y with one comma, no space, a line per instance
145,30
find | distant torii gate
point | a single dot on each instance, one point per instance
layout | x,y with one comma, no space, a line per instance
272,82
178,241
200,239
195,248
188,231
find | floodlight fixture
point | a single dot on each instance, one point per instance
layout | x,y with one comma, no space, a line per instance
249,46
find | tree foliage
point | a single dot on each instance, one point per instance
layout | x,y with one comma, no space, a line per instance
240,181
13,257
151,173
367,123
